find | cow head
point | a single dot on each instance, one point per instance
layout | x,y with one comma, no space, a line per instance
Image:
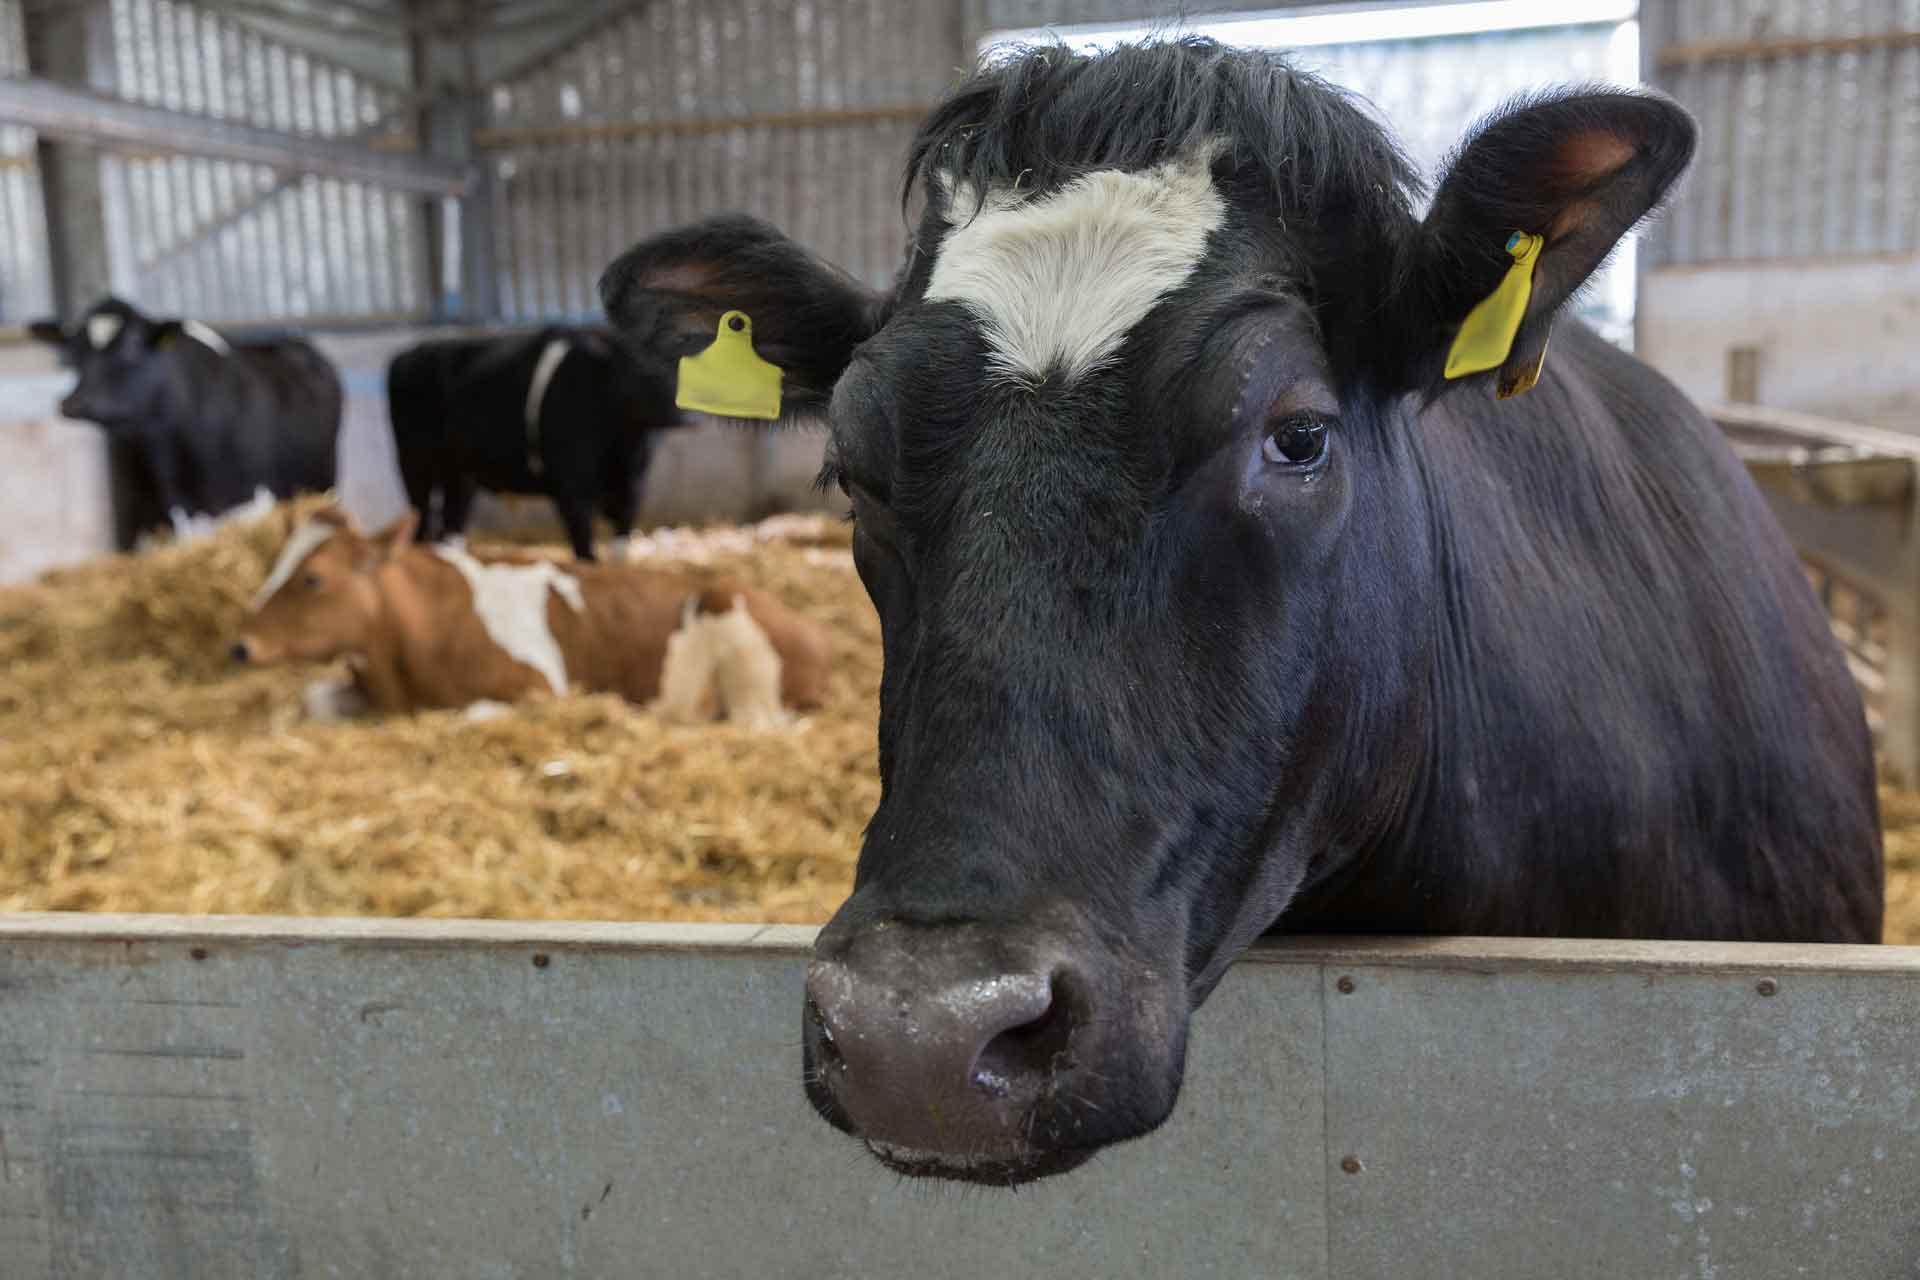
111,350
320,600
1133,452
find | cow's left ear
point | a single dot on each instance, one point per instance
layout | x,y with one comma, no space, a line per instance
159,334
48,331
669,292
1534,201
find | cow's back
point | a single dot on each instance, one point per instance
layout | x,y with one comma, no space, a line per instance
303,389
1639,722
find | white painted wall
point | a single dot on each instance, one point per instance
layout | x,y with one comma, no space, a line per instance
1840,339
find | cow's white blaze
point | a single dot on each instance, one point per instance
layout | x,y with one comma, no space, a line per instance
102,330
511,602
301,543
722,662
1058,281
205,336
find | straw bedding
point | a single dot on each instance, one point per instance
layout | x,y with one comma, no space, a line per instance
140,772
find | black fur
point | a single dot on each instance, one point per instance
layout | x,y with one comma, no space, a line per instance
458,408
201,431
1534,666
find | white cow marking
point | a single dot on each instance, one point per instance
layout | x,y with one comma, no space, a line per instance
207,337
303,542
333,699
1059,281
103,329
511,602
721,661
549,364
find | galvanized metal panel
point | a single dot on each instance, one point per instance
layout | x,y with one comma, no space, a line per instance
1807,150
429,1103
234,241
26,286
796,110
201,1097
1593,1123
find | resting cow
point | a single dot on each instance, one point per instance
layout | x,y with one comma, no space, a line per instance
566,412
208,422
1213,604
438,627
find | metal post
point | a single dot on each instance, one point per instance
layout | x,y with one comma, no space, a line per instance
480,279
73,44
427,121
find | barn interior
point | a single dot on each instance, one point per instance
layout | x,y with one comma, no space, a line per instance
528,990
369,173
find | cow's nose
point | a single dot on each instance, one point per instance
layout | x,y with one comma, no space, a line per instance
240,652
941,1058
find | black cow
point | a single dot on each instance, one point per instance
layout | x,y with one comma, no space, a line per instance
568,412
207,421
1211,605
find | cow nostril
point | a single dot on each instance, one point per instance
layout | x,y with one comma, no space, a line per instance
829,1050
1032,1052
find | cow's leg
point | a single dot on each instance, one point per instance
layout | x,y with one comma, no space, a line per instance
621,501
456,500
416,476
576,513
168,486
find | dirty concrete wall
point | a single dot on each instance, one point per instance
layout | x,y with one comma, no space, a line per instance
1833,338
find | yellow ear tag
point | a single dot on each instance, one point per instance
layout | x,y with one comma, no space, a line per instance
729,378
1486,336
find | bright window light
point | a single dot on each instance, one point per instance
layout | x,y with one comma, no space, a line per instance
1353,24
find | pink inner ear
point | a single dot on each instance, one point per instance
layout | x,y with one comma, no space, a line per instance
1589,156
688,277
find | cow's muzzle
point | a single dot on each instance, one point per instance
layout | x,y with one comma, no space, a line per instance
986,1054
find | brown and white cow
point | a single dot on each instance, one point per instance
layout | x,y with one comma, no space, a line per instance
439,627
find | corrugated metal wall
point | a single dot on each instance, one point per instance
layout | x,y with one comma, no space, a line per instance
25,287
1810,127
220,240
796,110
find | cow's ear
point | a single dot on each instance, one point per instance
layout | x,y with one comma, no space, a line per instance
158,334
48,331
1533,202
396,537
668,293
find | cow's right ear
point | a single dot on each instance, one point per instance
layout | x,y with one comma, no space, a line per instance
669,291
395,538
48,331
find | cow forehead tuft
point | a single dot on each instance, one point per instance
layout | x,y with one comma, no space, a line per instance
301,543
1059,280
102,329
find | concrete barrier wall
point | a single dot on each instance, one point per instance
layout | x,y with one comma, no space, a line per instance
206,1098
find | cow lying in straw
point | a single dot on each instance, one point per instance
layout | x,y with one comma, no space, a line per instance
439,627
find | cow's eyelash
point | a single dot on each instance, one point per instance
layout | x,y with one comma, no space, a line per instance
830,476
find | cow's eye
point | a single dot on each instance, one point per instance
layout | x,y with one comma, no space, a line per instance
1298,440
311,582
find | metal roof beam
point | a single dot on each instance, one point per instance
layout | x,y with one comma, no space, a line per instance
59,111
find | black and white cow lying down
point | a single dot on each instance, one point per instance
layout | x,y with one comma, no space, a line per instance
1212,606
210,422
568,412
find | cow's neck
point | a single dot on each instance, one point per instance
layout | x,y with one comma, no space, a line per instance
383,673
